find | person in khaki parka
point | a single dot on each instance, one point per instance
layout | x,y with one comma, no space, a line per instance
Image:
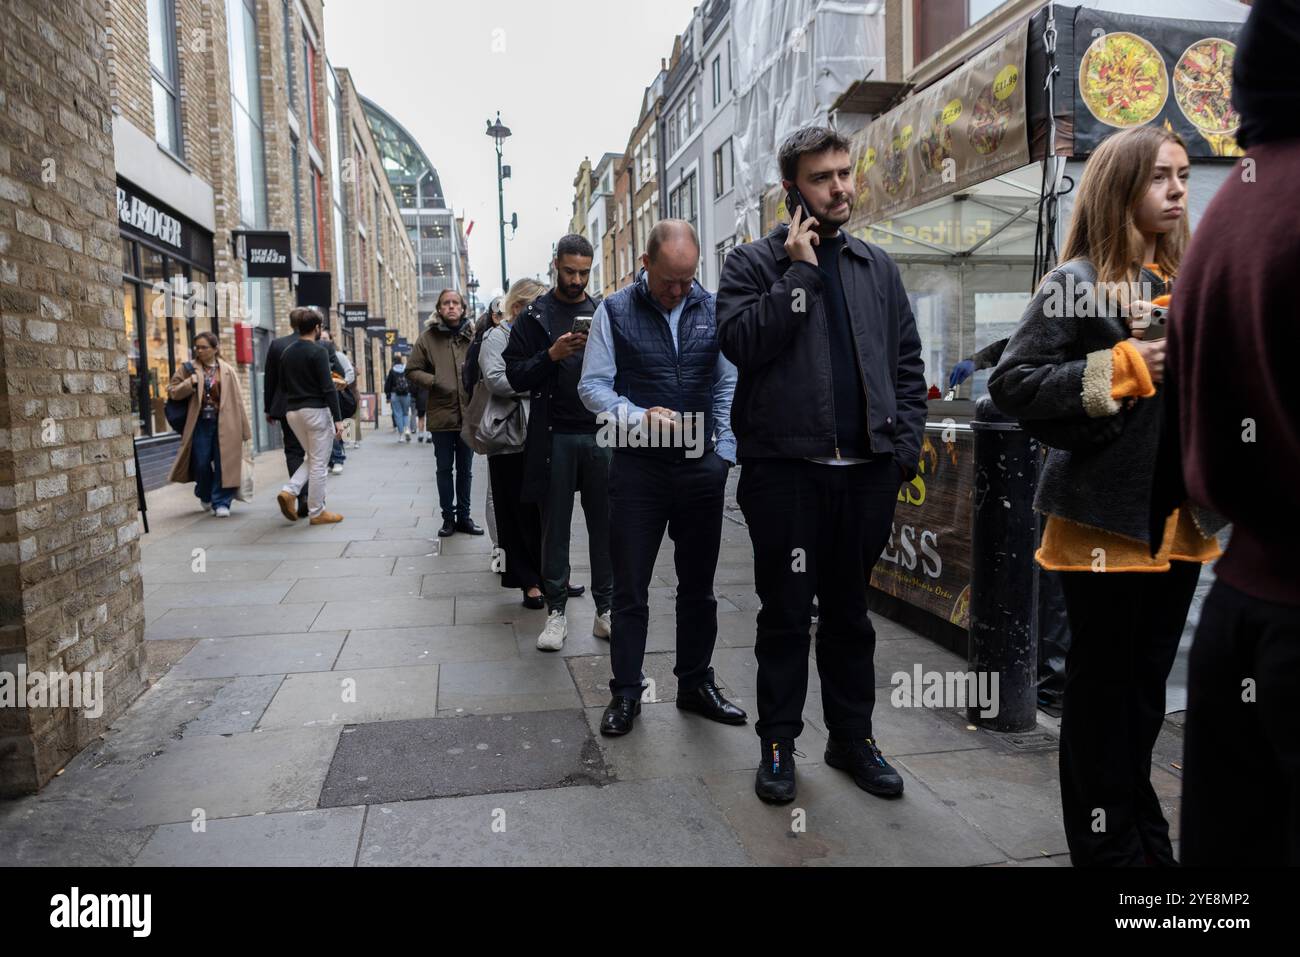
435,364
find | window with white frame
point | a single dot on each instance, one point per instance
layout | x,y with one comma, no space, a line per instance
717,79
722,249
165,75
724,170
683,201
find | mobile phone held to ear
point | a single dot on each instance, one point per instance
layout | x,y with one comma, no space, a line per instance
793,201
582,324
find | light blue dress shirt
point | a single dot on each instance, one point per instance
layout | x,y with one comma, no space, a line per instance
596,388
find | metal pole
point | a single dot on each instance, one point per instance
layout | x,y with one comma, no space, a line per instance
501,215
1004,580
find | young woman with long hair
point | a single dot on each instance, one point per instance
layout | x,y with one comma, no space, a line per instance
1082,374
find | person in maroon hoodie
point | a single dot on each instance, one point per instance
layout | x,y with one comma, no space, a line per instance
1234,335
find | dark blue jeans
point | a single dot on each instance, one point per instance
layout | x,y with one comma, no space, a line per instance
453,497
205,464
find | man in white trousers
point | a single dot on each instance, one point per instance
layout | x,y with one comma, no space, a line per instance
313,414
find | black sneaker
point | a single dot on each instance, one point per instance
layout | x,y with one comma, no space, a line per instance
863,760
774,782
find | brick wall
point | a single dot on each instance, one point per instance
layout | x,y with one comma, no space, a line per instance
126,49
70,589
384,230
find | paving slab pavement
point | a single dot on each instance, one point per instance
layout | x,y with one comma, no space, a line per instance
460,742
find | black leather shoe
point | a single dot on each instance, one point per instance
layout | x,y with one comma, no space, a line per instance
533,601
863,760
468,527
708,701
774,782
618,717
448,528
576,591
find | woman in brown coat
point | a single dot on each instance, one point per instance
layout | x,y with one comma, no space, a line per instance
212,445
435,363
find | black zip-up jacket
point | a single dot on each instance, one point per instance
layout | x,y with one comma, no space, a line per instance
529,369
772,326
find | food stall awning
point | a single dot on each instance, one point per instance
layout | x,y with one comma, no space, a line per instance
990,115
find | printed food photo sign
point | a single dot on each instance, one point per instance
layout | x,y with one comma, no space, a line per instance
965,129
1138,70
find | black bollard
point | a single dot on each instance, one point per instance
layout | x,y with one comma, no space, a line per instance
1004,580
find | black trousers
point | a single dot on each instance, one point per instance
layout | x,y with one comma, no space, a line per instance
1241,760
519,523
646,496
1124,629
817,530
294,456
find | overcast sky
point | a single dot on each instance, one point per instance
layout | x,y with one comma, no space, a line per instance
568,84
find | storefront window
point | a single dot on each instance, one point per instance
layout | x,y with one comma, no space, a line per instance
129,314
180,323
203,310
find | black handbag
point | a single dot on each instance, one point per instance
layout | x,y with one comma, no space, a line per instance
177,411
347,403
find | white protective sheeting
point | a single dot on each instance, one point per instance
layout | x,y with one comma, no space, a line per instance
793,60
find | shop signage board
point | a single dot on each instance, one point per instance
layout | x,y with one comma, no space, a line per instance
927,561
354,314
966,129
1120,70
266,253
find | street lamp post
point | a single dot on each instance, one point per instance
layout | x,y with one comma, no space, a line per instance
499,132
473,294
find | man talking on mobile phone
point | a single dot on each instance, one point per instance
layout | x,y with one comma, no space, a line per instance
828,415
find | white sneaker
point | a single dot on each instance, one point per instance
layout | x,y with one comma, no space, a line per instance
600,628
553,635
336,469
223,512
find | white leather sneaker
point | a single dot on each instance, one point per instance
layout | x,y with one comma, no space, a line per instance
601,627
553,635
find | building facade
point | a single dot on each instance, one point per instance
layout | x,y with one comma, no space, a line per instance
681,130
718,181
637,182
599,214
228,117
426,214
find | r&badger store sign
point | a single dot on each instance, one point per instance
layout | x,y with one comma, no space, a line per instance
926,562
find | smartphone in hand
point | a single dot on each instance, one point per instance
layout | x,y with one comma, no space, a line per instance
793,201
582,325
